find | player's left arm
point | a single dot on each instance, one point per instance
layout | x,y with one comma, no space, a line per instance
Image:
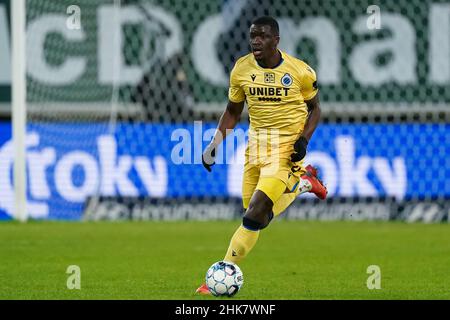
313,119
311,124
310,92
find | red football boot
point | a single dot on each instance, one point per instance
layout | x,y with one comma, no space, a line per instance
203,290
317,186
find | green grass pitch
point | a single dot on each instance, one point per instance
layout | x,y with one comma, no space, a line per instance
168,260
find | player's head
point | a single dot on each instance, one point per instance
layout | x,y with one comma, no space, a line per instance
264,37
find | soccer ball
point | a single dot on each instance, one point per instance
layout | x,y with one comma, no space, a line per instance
224,278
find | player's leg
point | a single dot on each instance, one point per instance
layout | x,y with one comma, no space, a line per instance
243,239
310,182
302,181
257,216
250,180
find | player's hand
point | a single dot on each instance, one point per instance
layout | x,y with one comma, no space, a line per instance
209,157
300,149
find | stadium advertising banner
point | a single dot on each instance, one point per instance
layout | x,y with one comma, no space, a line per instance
69,162
303,208
403,58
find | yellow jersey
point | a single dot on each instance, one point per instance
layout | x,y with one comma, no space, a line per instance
275,96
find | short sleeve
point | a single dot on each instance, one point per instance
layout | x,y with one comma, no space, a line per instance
309,86
235,92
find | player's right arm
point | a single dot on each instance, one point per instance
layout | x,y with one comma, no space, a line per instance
229,119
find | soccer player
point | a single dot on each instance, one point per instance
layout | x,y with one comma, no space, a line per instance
283,104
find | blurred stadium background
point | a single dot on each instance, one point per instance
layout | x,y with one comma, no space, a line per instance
109,82
113,90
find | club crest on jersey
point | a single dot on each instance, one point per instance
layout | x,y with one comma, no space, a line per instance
286,80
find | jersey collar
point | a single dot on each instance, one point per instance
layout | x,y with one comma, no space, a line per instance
279,63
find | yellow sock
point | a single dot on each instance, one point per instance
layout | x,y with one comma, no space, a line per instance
241,243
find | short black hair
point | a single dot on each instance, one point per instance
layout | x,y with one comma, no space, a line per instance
268,21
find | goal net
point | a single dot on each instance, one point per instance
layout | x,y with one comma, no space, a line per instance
122,96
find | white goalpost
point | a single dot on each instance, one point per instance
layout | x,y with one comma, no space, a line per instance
18,38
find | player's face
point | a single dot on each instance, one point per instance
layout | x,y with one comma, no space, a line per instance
263,41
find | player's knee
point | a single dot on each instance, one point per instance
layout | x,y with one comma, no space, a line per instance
259,213
251,224
257,222
260,207
254,225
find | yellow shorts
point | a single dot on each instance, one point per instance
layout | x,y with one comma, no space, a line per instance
274,176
